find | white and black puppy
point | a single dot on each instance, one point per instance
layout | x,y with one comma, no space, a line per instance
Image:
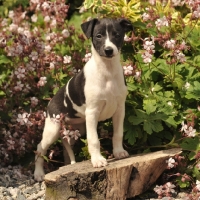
96,93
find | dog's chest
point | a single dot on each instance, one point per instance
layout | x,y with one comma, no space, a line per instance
112,96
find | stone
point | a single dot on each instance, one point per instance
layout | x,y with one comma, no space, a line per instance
119,180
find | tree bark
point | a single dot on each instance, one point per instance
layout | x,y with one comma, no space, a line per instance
119,180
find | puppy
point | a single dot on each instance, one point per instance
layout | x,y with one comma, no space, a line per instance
96,93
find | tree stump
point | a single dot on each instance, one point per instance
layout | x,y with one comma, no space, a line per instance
119,180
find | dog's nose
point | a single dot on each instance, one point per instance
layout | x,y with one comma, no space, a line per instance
108,51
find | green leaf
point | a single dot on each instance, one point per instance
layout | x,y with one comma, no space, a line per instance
170,120
193,91
191,144
178,82
131,86
149,105
45,158
130,136
155,126
4,60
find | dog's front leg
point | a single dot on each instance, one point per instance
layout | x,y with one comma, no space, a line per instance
92,116
118,119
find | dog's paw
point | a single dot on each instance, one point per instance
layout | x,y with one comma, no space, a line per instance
99,161
119,154
39,175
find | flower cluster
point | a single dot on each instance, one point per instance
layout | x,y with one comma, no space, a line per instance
38,49
165,190
188,130
70,134
149,47
171,163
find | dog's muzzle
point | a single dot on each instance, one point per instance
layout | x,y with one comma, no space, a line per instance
109,51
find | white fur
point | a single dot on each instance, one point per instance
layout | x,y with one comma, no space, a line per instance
105,94
108,43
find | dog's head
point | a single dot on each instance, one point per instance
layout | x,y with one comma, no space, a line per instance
107,34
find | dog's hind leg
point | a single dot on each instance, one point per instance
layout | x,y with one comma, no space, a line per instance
49,136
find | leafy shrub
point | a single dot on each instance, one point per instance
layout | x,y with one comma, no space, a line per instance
39,52
161,64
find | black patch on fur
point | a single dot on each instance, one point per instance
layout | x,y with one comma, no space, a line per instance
76,88
56,105
76,93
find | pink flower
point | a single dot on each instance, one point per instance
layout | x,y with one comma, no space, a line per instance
170,187
171,163
161,22
34,101
177,2
158,189
179,56
47,48
42,81
67,59
56,118
11,144
170,44
152,2
35,1
128,70
47,18
149,45
52,65
189,131
11,14
196,13
15,51
87,57
33,55
65,33
34,18
45,6
31,66
187,85
82,9
71,134
53,23
20,73
127,39
147,57
23,15
19,86
198,185
27,88
45,114
22,118
146,16
13,27
183,46
22,144
137,75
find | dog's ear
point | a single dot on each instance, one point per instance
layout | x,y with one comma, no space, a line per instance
87,27
126,25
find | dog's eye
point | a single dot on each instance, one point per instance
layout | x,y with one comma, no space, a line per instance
117,35
99,36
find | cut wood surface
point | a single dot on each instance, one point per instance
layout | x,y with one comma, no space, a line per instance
119,180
